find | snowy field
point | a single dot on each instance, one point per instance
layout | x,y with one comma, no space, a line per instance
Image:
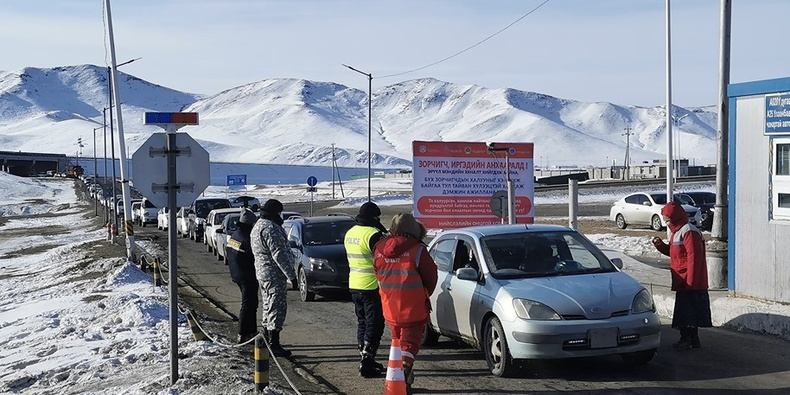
72,322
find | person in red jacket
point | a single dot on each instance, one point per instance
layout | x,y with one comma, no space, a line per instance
407,277
686,251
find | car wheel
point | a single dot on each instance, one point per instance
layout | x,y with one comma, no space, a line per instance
620,221
495,348
707,221
304,293
655,223
638,358
429,336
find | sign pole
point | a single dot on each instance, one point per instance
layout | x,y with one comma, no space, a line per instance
172,250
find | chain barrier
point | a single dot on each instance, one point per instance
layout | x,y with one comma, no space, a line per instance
198,330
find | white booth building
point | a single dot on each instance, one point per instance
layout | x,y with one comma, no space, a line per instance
759,189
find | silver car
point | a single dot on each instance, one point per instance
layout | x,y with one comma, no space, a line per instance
537,292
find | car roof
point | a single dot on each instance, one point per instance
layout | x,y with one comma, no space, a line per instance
321,219
226,210
494,230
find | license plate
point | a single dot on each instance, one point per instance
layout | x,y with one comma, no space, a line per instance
603,338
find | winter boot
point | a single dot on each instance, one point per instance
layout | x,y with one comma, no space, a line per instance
694,338
408,375
274,343
685,340
367,365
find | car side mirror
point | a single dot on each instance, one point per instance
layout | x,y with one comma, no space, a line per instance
647,204
292,243
219,230
618,263
467,273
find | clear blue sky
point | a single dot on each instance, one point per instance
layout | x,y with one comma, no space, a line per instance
588,50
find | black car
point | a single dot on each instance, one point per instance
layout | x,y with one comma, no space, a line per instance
317,244
199,211
705,201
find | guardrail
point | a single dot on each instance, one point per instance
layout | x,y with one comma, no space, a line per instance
626,183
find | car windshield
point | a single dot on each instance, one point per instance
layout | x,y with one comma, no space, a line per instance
202,207
543,254
326,233
682,198
218,217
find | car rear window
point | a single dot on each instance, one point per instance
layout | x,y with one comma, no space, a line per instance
326,233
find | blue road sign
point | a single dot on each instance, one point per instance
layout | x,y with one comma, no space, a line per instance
311,181
777,114
238,179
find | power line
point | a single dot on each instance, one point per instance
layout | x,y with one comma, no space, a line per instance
470,47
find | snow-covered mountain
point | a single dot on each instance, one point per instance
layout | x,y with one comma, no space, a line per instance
293,121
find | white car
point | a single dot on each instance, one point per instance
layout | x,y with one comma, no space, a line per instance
645,209
223,234
162,218
146,213
246,201
213,222
136,211
182,221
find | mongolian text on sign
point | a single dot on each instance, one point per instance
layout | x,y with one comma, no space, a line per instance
777,114
237,179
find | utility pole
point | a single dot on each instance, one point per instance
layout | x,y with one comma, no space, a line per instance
627,163
333,171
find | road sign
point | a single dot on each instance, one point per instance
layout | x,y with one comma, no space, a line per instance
312,189
238,179
311,181
150,169
498,204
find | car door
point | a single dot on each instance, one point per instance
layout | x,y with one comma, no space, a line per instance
464,291
443,308
294,233
644,209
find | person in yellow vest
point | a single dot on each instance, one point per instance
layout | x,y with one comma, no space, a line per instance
359,242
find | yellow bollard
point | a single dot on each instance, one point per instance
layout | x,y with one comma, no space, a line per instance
261,365
196,331
157,278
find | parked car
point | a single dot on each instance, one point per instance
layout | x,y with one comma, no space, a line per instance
136,211
246,201
200,209
317,245
214,221
291,214
162,218
705,202
537,292
645,209
182,221
146,213
223,233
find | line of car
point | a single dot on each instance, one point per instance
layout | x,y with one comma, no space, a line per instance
644,209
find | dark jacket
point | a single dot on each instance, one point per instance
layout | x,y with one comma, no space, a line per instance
238,252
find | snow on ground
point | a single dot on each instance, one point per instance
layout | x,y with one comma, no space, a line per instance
74,323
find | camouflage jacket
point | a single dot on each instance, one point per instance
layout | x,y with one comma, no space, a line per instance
273,258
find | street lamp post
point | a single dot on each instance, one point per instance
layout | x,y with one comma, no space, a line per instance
95,171
677,141
370,107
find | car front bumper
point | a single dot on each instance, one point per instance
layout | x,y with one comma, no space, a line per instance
583,338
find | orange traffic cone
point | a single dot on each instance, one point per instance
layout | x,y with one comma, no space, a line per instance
395,383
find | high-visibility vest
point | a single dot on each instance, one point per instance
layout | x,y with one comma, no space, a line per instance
403,296
360,258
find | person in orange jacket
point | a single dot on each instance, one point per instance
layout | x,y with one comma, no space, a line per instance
407,277
686,251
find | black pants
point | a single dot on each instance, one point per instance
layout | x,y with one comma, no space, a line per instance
370,319
248,314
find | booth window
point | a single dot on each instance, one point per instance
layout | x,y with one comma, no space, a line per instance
780,194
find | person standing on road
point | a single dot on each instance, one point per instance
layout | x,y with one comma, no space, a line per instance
241,263
274,267
407,277
686,251
364,287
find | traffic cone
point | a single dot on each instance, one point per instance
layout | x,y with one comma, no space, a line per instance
395,383
197,333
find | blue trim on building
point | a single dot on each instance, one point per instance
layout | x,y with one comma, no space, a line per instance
733,104
758,87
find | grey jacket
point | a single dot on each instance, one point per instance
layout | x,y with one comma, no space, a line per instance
273,258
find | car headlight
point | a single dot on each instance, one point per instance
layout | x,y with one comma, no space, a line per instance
643,302
319,264
532,310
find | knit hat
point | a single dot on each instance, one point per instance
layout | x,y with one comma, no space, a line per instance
248,217
405,224
272,206
369,210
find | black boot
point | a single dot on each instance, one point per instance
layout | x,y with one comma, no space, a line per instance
694,338
685,340
408,375
274,343
367,365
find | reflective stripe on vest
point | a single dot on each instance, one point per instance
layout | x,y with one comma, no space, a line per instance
360,258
